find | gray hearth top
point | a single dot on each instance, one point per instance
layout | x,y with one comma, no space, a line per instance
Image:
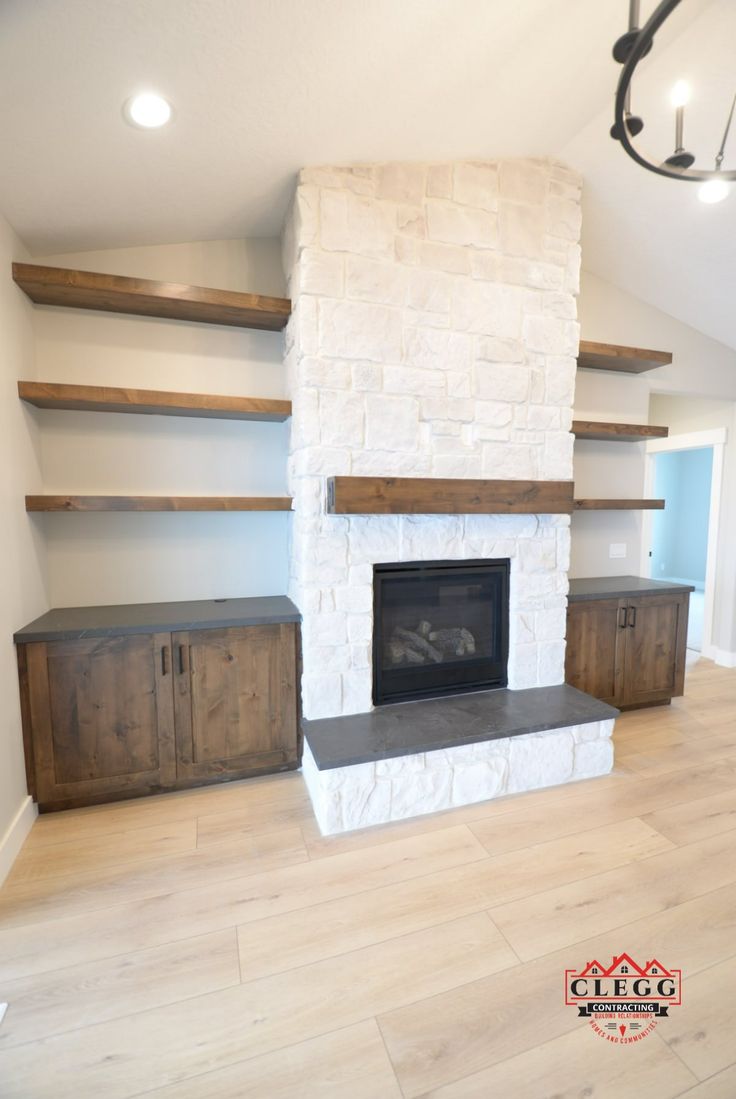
73,623
620,587
407,728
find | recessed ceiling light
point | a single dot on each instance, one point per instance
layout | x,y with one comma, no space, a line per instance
713,190
147,110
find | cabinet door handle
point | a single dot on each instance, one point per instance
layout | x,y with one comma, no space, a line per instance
622,623
164,660
632,618
182,661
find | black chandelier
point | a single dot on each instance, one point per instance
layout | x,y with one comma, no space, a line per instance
629,50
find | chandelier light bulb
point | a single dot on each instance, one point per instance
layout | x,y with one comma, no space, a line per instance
147,110
680,94
713,190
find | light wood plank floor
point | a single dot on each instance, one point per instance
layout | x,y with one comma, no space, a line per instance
212,945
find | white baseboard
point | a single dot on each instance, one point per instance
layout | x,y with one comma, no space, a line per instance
15,835
722,657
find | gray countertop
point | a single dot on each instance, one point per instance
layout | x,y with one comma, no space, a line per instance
73,623
616,587
405,728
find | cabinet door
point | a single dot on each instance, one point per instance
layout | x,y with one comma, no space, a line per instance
656,636
235,701
594,658
101,715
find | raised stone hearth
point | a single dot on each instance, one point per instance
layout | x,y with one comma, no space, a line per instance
404,760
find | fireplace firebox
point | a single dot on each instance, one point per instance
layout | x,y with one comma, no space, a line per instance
439,627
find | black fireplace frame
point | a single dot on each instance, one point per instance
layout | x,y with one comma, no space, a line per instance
492,679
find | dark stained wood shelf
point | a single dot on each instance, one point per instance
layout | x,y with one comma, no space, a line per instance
619,505
149,298
623,360
158,503
619,433
445,496
102,398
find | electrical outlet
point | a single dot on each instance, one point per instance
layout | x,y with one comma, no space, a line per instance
617,549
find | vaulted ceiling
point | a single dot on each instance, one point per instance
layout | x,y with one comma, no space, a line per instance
262,87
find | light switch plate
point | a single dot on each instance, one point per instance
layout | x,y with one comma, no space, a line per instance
617,549
3,1009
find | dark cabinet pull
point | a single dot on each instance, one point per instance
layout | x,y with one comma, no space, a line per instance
164,660
632,619
182,663
622,611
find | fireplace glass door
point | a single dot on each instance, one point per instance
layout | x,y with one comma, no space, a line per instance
439,627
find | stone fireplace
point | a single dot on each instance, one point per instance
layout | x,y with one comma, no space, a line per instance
433,334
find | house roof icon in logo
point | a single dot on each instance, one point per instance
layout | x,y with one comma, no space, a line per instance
592,969
623,965
656,969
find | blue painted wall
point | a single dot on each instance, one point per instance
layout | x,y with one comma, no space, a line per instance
680,532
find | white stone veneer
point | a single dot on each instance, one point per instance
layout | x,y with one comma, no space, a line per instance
432,334
345,798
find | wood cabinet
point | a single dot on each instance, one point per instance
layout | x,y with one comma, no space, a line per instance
114,717
629,652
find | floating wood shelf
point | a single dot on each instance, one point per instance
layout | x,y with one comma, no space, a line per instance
444,496
619,505
618,433
158,503
99,398
623,360
148,298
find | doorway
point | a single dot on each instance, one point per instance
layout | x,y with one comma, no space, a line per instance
679,544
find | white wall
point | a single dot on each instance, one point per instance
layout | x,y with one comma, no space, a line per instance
701,367
21,550
104,558
691,414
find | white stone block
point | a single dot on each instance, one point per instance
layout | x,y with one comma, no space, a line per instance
457,465
392,423
406,250
496,382
358,330
361,657
522,230
522,181
401,182
535,274
487,309
357,691
322,373
493,413
522,667
322,461
593,758
551,336
479,781
375,281
374,538
321,273
341,418
475,183
557,458
353,598
413,380
434,349
572,269
551,666
399,766
444,257
355,223
359,178
324,629
564,218
321,695
411,220
452,224
447,408
304,419
429,291
360,628
459,383
366,377
551,624
390,463
492,349
431,538
421,792
365,805
330,658
540,760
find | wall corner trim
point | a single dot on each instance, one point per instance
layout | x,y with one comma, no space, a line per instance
16,834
